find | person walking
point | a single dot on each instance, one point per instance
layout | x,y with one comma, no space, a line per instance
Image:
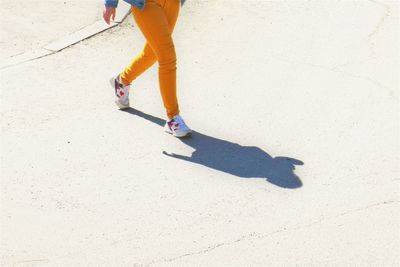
156,20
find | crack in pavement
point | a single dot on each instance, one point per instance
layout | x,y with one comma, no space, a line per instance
254,235
247,237
338,70
29,261
378,26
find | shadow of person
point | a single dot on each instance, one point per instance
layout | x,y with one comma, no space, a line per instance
237,160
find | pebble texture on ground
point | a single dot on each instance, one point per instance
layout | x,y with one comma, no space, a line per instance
294,159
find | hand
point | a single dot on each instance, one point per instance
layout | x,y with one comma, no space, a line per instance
108,13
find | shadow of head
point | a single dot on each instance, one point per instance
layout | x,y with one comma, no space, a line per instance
235,159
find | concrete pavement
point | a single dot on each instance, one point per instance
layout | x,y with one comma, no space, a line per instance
29,25
294,160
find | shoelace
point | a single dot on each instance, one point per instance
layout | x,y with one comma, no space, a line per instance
181,122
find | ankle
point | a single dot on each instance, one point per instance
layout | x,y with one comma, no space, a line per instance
122,80
171,117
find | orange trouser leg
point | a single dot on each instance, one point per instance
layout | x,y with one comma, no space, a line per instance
157,21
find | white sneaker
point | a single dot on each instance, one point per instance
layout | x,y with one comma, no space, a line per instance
121,92
177,127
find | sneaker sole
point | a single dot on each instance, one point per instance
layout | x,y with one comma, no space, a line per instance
120,105
189,134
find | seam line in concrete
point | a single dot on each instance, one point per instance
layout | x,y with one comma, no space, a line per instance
255,235
67,41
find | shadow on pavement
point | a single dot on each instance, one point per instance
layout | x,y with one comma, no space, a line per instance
241,161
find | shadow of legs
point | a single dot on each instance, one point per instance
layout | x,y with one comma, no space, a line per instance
228,157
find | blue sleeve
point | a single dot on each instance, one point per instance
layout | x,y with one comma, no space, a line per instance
111,3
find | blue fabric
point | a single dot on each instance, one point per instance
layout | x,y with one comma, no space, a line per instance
137,3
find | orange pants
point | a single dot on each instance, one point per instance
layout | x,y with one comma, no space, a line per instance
157,21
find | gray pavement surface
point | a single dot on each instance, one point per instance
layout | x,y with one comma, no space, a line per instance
294,160
31,24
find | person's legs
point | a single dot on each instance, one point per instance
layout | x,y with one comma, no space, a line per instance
140,64
157,21
147,57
